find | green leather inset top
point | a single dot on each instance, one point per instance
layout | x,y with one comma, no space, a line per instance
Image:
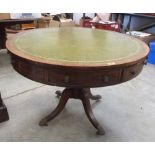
75,45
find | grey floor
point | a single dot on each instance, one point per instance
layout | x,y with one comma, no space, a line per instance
127,111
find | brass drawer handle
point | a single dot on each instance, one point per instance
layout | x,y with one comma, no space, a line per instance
133,72
66,79
106,78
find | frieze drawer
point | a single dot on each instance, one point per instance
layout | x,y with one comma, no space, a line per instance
111,77
132,71
85,78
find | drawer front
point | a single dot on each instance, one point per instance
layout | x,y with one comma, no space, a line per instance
76,78
67,78
85,78
132,71
110,77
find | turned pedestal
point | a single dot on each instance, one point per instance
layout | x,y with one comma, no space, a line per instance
84,94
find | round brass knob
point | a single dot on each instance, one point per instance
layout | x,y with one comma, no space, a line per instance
105,78
133,72
66,79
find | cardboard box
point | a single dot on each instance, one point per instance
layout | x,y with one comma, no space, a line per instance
28,26
54,23
43,22
64,23
67,24
5,16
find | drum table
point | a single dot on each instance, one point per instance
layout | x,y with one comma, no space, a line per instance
77,59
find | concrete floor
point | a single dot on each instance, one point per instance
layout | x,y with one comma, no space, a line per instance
127,111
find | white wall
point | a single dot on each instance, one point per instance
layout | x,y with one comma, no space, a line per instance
91,15
77,16
18,15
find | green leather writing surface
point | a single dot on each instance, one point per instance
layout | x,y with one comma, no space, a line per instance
77,45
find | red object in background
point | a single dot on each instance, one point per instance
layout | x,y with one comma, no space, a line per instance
114,26
87,23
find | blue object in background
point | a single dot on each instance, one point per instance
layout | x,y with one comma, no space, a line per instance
151,55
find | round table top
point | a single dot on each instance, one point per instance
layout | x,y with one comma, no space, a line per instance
77,47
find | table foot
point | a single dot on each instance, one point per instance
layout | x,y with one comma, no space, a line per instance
77,93
43,122
91,96
89,112
100,131
63,100
58,93
95,97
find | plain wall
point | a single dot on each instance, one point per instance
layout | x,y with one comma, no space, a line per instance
78,16
18,15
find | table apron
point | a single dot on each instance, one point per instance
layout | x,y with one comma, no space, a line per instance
57,76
